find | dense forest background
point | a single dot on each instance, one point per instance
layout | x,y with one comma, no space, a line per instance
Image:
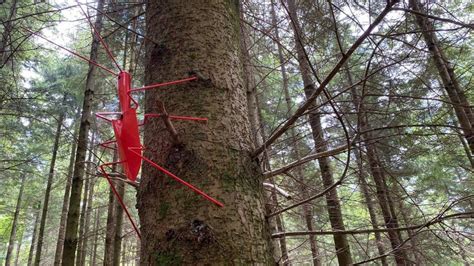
361,119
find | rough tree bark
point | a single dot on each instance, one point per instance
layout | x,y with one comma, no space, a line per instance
332,199
11,241
177,225
52,165
70,242
458,98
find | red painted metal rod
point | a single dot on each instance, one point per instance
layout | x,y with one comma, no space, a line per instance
111,56
105,144
119,198
72,52
168,173
164,84
103,114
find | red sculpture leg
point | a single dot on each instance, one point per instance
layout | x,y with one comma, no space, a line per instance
168,173
122,204
106,144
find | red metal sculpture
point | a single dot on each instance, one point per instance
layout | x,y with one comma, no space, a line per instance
126,127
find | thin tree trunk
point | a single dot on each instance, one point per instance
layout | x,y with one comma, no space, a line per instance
5,45
96,237
257,130
463,110
52,165
18,250
35,231
87,232
81,252
176,224
362,174
332,199
110,227
118,224
11,241
279,223
306,208
137,252
370,205
82,220
62,222
124,254
414,247
389,216
70,243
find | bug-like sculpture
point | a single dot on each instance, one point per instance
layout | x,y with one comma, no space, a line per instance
126,126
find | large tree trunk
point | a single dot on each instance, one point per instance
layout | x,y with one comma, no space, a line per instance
178,225
11,241
70,243
463,110
47,192
62,222
332,199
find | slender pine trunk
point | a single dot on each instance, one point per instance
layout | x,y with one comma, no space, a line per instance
47,192
118,224
64,209
307,211
332,199
70,243
5,44
110,225
81,252
18,250
11,241
90,196
458,98
35,232
96,237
